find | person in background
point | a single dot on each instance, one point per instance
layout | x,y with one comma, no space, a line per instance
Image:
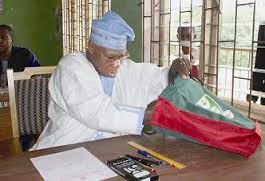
101,93
186,35
17,58
258,83
12,56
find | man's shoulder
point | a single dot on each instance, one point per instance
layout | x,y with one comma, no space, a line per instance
74,57
17,49
19,56
74,60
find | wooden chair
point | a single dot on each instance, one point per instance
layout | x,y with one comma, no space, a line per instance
28,99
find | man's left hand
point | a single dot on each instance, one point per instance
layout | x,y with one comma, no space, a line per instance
179,66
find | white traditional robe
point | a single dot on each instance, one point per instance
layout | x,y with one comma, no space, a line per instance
81,111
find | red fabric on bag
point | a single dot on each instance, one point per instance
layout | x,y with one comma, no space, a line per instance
211,132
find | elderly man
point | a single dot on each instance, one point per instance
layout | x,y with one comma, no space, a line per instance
101,93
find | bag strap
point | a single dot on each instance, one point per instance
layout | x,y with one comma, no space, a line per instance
192,77
196,79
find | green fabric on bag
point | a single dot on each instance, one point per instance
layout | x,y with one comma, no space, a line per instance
186,93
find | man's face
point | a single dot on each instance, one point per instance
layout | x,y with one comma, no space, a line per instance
186,34
107,61
5,40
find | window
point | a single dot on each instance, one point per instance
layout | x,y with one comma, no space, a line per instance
77,16
241,53
161,19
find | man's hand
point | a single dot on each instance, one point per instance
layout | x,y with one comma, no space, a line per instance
147,116
179,66
148,112
148,128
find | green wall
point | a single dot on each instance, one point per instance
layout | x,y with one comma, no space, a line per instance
33,22
132,14
34,25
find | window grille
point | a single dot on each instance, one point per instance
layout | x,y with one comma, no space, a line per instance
227,43
77,16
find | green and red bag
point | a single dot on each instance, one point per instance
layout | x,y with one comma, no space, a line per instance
187,110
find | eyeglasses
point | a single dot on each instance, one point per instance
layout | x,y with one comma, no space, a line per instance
110,59
113,59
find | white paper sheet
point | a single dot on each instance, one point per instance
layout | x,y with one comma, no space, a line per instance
77,164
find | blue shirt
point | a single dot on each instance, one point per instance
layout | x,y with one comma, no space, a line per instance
107,84
18,60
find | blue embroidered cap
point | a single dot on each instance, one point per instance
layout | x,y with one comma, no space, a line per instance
111,31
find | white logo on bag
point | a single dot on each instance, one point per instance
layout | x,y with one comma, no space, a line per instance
210,104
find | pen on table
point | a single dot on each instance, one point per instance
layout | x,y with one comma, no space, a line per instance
146,154
144,161
157,155
148,167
